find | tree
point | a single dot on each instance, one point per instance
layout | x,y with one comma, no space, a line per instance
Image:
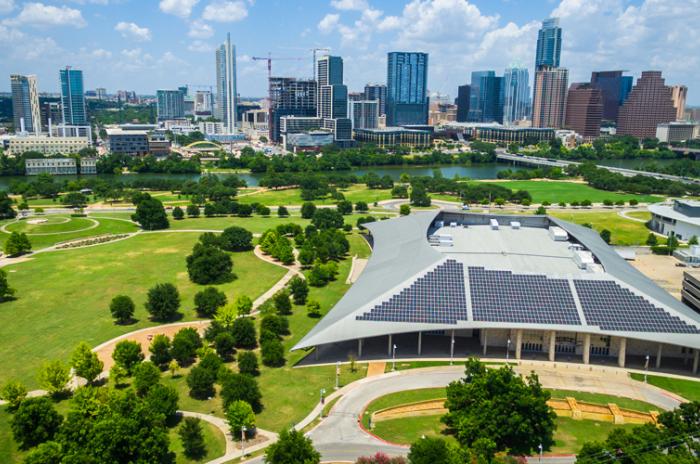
541,210
150,214
178,213
207,301
163,399
14,392
146,375
243,305
634,202
225,345
6,209
299,289
693,240
419,197
86,363
185,344
605,235
209,265
240,387
272,353
192,211
278,325
225,316
53,376
35,421
292,447
652,240
239,414
431,450
344,207
17,244
6,292
201,382
282,211
160,350
672,242
282,304
117,374
74,200
173,367
307,210
361,206
48,452
313,308
163,301
248,363
499,405
192,438
127,354
404,210
326,218
236,239
122,308
243,332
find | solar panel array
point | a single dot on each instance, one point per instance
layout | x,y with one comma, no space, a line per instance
501,296
438,297
613,307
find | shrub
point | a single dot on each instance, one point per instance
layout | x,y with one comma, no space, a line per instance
299,289
225,345
282,211
248,363
361,206
122,308
14,392
244,305
605,235
178,213
243,332
405,210
192,211
313,308
283,305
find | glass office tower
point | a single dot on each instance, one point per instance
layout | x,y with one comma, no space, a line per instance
407,88
73,97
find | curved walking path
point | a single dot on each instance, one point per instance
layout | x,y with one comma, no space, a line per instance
94,225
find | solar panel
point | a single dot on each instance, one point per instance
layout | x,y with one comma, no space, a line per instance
438,297
501,296
612,307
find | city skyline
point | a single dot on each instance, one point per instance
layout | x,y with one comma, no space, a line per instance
170,43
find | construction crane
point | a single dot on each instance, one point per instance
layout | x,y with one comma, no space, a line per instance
313,67
269,60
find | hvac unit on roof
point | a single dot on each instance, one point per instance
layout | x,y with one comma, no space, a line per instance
494,224
583,258
514,225
558,234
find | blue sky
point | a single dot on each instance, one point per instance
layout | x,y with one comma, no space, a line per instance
144,45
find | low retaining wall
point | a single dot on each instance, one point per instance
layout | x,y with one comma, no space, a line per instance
567,407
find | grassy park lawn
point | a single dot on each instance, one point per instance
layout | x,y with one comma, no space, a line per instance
598,398
644,215
213,439
688,389
255,224
61,228
623,231
572,434
354,193
63,296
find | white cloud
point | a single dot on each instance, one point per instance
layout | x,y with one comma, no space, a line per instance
328,23
133,31
225,11
200,46
350,4
200,30
100,53
38,14
6,6
181,8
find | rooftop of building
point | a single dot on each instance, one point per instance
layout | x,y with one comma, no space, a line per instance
391,129
120,131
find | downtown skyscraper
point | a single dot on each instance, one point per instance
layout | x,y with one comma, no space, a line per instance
73,97
407,88
551,81
614,88
25,104
226,97
332,108
548,44
516,95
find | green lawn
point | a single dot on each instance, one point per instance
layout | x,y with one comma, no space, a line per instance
9,452
688,389
354,193
623,231
60,232
63,296
572,434
213,439
598,398
255,224
644,215
410,429
556,191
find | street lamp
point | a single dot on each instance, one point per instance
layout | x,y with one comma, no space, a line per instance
646,368
323,398
393,359
508,351
452,351
337,375
244,429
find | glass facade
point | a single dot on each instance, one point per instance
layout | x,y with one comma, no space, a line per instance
615,88
73,97
516,95
486,97
548,44
407,88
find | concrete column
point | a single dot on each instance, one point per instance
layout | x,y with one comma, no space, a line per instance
586,348
359,347
486,340
452,344
696,360
316,352
518,343
552,345
388,348
420,342
621,354
658,355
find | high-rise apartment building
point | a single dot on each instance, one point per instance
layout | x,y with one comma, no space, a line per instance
475,94
649,104
614,88
290,97
516,95
462,102
548,44
364,114
73,97
549,102
407,88
333,97
170,104
51,114
101,93
203,103
679,94
377,92
584,109
486,97
25,104
226,97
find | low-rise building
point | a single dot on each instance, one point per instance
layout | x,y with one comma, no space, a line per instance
513,134
307,141
675,131
681,218
690,292
393,136
47,145
128,142
88,165
55,166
